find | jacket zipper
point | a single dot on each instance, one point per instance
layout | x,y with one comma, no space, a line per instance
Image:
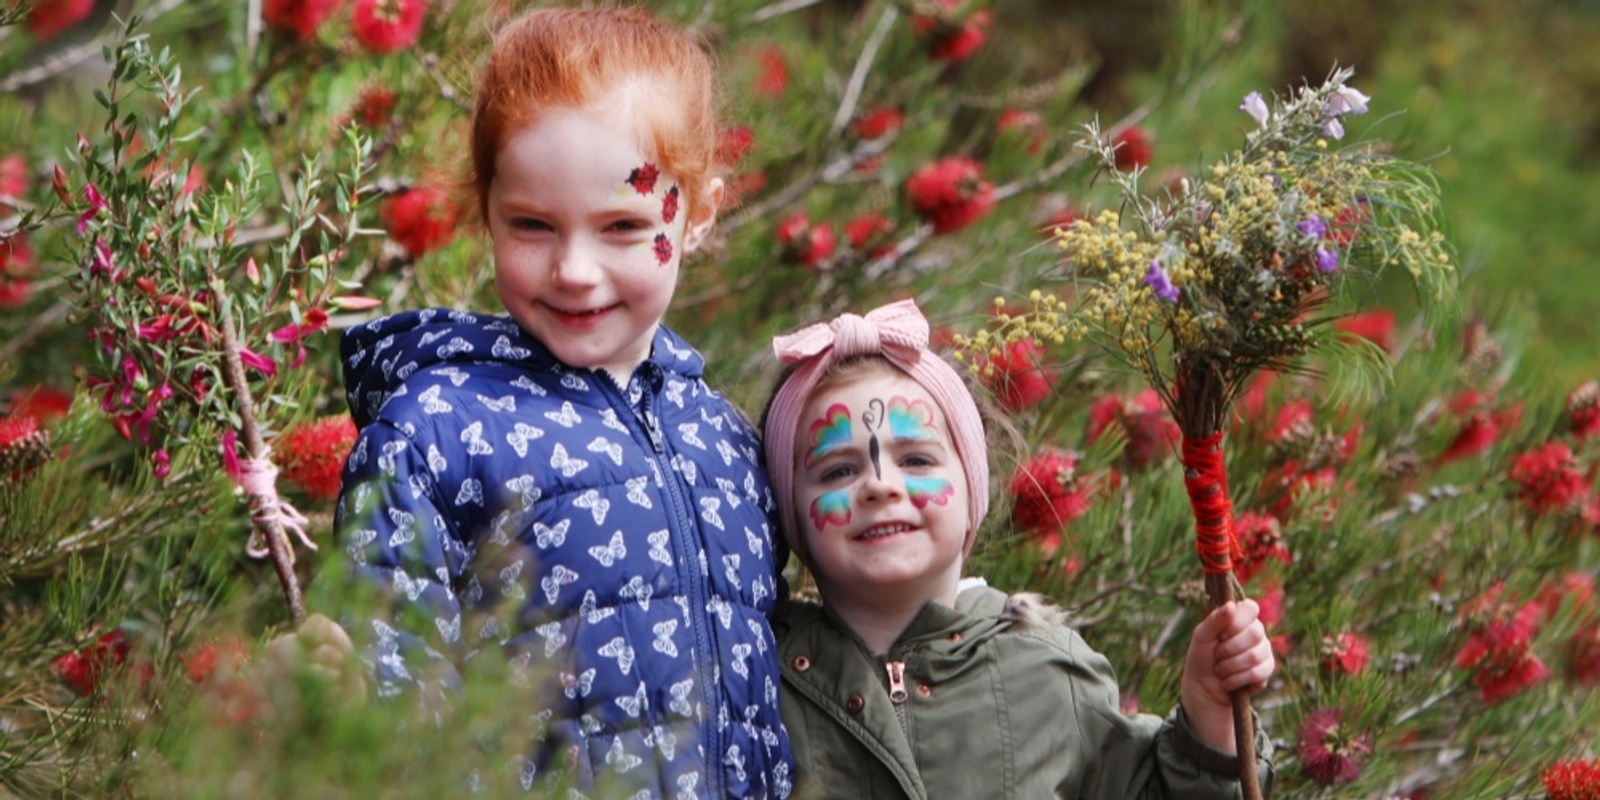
898,694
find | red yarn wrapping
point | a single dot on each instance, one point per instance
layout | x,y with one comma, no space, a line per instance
1206,479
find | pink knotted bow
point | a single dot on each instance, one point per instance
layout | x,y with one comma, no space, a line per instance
899,333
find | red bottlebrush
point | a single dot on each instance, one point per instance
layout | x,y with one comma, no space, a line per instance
1018,376
1059,215
300,18
1583,410
387,26
13,181
952,41
951,194
1575,589
868,232
1483,427
1133,148
23,447
1499,648
1151,434
220,659
1584,655
16,270
49,18
84,668
373,107
1345,654
1330,754
1548,478
45,404
772,76
736,142
878,122
1047,494
1375,326
1574,779
804,242
1026,125
1260,540
312,455
421,219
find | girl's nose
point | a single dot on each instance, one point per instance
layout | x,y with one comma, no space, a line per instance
882,485
576,265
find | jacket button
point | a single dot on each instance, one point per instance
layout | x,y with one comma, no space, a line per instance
924,690
955,637
855,704
801,663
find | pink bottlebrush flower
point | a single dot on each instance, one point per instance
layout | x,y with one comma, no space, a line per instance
1018,375
878,122
49,18
421,219
1047,494
1134,148
804,242
1583,655
1573,779
869,232
1150,434
13,181
1027,125
387,26
736,142
374,108
83,669
300,18
312,455
1575,589
1548,478
1345,654
952,41
951,194
1260,540
1478,435
45,404
1499,646
1375,326
1330,754
772,76
1583,410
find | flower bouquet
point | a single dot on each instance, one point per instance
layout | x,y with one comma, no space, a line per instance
1242,270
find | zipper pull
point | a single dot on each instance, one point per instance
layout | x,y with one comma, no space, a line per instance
897,681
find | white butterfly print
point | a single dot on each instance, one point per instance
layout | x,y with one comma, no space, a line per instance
674,392
509,574
471,492
658,546
360,539
503,348
554,638
686,468
358,457
532,386
456,376
548,536
388,454
620,650
431,336
735,759
431,404
664,643
690,433
730,489
608,554
412,589
665,741
500,528
526,488
741,654
603,445
491,630
759,633
403,533
591,611
758,591
715,421
436,460
723,610
727,452
575,686
520,435
616,757
377,399
636,589
730,569
609,419
688,785
476,444
636,491
676,353
680,697
756,542
597,505
769,692
566,417
709,506
559,576
356,358
406,370
574,382
568,466
450,630
507,403
454,346
634,703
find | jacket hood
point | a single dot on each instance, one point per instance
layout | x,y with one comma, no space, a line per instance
380,355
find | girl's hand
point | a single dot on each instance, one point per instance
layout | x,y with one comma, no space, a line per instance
1229,651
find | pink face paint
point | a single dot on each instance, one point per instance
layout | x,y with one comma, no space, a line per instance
911,421
663,249
923,491
643,179
831,507
829,433
669,205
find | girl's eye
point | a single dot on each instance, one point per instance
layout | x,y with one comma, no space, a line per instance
626,226
837,472
530,224
918,460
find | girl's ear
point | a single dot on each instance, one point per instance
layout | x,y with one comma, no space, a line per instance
705,216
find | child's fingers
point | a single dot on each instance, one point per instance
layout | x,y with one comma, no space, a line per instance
1228,620
1246,661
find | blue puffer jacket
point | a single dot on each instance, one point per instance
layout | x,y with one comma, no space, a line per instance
630,529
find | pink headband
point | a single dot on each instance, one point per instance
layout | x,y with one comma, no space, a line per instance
898,332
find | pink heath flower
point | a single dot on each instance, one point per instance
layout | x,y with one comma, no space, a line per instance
230,456
1330,754
96,203
1573,779
387,26
421,219
161,464
951,194
258,362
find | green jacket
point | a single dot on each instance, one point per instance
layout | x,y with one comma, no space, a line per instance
992,699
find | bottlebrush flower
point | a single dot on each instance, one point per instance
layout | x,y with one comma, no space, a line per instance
1134,148
1330,754
1499,647
1260,540
300,18
421,219
735,143
23,447
223,658
1548,478
1375,326
45,404
16,270
1575,589
312,455
952,41
1345,654
878,122
1150,432
49,18
13,181
386,26
951,194
1583,410
804,242
869,232
1484,424
1018,376
772,76
83,669
1047,494
1584,655
1027,125
1574,779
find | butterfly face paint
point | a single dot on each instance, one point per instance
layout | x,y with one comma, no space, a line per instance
923,491
829,433
831,507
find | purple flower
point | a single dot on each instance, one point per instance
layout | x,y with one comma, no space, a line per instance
1327,260
97,203
1346,100
1256,108
1158,280
1312,226
161,465
1332,129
